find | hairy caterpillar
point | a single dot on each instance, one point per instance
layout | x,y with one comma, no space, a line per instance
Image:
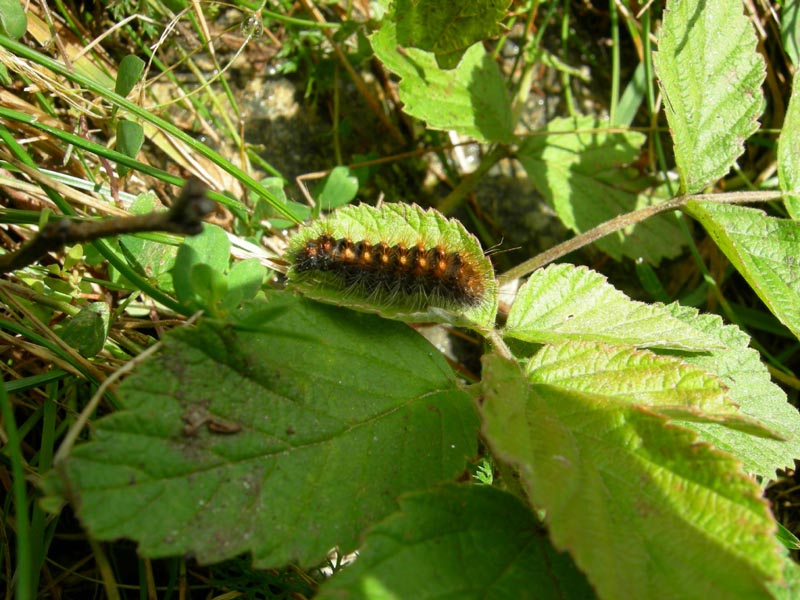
396,260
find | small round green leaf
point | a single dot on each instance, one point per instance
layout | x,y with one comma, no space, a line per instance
13,22
86,331
130,137
130,72
339,188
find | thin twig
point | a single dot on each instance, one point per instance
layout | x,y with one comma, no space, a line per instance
626,220
185,216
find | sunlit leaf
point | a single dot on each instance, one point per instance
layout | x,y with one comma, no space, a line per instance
710,74
130,137
13,22
564,302
447,28
749,384
129,73
338,189
640,505
582,167
470,99
283,441
765,250
789,150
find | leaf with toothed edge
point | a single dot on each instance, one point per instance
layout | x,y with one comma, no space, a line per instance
282,440
640,505
710,73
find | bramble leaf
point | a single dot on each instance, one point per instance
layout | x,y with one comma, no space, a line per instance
411,553
640,505
282,440
749,385
765,250
447,28
564,302
789,150
470,99
710,74
583,171
665,385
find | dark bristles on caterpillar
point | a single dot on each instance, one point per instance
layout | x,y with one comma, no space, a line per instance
432,275
397,260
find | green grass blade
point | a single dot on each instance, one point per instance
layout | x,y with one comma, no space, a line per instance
14,449
145,115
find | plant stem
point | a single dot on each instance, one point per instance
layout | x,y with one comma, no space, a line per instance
612,111
468,183
626,220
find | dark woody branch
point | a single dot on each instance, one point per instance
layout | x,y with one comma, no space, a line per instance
185,216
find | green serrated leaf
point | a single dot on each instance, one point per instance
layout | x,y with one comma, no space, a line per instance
765,250
639,504
710,74
470,99
789,588
86,331
447,29
13,22
411,553
409,226
662,384
790,30
338,188
129,73
789,151
282,442
749,385
582,169
565,302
